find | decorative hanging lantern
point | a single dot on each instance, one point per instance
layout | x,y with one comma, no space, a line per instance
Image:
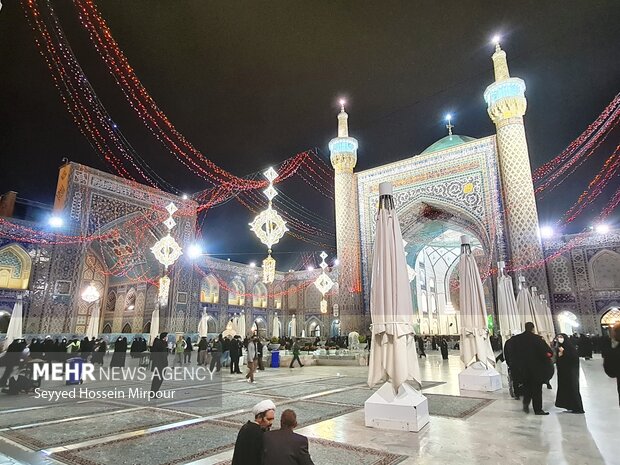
323,283
167,251
269,227
164,290
91,294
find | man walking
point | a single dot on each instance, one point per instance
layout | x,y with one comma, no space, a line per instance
216,353
296,355
252,360
532,363
285,447
249,444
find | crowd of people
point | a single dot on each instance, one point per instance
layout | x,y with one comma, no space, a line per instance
531,363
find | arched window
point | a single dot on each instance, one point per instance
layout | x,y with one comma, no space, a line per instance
291,296
127,328
259,327
236,292
107,329
259,295
605,266
15,266
277,297
130,300
147,328
312,299
209,290
211,326
611,317
423,303
313,327
110,303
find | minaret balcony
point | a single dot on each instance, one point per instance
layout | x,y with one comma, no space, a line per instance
508,88
343,145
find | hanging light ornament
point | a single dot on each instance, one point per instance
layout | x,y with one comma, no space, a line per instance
269,227
323,283
167,251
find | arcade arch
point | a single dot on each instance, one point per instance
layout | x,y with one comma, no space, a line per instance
277,297
236,292
130,300
313,327
259,327
610,317
211,325
15,267
209,290
605,265
433,245
567,322
259,295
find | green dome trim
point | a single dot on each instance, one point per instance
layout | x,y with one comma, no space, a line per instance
447,142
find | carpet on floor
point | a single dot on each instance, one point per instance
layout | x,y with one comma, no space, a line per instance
308,412
168,447
323,451
74,431
438,404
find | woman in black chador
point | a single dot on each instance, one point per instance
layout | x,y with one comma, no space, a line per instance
120,353
567,360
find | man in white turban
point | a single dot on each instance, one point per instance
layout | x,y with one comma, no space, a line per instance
249,444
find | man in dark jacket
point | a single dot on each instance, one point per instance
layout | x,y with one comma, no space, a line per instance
530,362
235,354
249,444
159,361
283,446
611,356
259,351
514,383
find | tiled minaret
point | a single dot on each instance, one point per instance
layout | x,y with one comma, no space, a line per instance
343,151
506,106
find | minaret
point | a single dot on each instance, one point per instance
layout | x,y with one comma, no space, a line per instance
506,106
343,151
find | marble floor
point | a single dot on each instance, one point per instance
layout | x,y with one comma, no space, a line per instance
198,426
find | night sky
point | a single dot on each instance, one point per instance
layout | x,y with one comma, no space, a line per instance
251,83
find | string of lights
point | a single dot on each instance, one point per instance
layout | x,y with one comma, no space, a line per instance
78,95
608,172
588,148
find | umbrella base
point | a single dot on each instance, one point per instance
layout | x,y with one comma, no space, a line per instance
477,377
406,411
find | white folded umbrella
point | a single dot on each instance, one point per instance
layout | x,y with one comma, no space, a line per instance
293,326
241,325
276,327
393,350
14,331
475,344
203,325
509,321
154,326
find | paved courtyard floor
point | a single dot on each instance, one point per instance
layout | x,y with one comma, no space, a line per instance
199,424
